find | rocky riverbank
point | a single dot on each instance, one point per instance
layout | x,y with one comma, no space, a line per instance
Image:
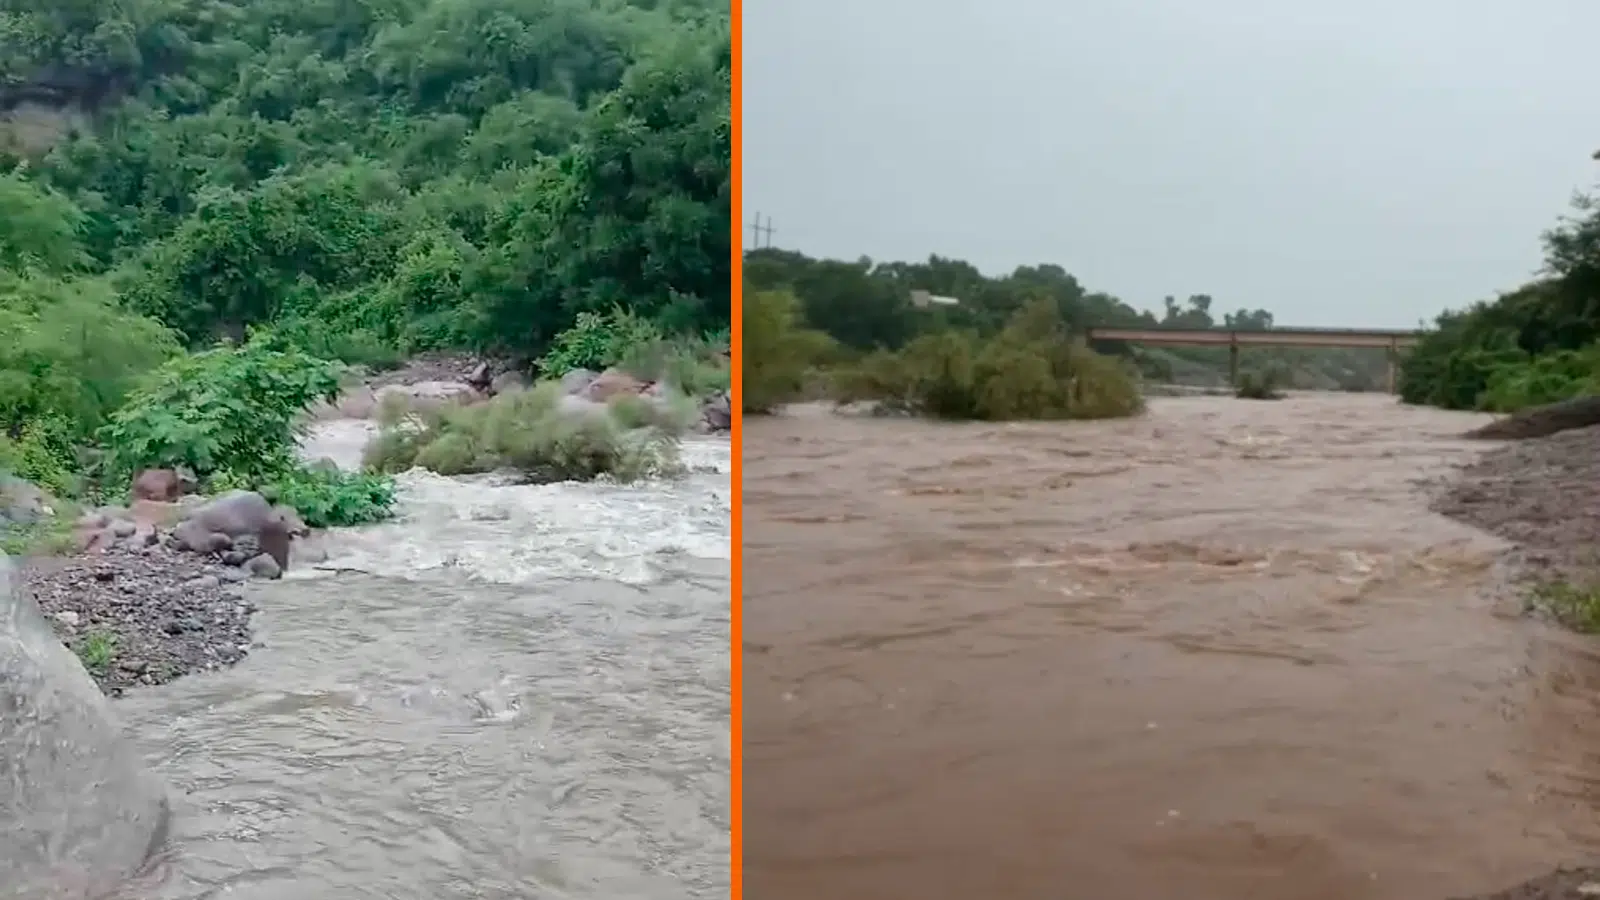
442,378
1543,495
155,590
1564,884
142,617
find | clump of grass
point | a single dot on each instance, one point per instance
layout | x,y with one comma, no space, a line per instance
96,650
1258,386
538,432
1574,605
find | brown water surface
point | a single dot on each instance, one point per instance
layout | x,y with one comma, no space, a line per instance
1221,651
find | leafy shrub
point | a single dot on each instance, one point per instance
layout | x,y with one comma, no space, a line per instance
530,431
1259,385
68,355
670,413
315,337
778,350
43,453
692,366
229,408
327,498
1031,370
1557,376
597,341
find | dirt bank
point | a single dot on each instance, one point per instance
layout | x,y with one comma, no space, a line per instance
1542,495
1566,884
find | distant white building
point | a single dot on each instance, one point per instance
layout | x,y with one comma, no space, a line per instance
923,300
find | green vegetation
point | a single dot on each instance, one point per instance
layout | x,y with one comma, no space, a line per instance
96,650
1259,385
50,536
1535,345
780,350
852,330
207,207
1577,606
528,431
1030,370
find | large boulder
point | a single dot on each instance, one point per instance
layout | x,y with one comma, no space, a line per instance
23,502
429,395
79,815
716,414
359,402
219,524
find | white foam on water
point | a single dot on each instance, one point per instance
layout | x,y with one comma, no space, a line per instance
488,529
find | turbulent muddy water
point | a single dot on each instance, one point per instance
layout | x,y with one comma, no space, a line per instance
1220,651
510,692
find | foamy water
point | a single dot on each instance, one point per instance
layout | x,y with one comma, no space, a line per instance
508,691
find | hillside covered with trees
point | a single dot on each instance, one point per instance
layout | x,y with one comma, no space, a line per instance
322,182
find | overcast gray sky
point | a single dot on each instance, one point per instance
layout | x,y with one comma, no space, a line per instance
1359,163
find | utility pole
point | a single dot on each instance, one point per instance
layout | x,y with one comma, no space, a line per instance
757,230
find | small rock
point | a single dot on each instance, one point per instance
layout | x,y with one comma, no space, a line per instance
234,575
164,485
264,566
717,413
68,618
202,583
612,382
510,381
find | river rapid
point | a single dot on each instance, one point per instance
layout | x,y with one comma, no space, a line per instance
508,692
1220,651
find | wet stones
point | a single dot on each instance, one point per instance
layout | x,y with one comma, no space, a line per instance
142,617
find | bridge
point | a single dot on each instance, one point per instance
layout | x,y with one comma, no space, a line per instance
1391,340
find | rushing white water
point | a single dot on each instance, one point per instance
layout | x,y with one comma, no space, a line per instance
509,691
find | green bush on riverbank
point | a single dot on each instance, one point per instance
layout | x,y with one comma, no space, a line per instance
1031,369
535,432
1535,345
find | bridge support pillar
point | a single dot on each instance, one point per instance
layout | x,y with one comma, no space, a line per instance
1233,364
1394,368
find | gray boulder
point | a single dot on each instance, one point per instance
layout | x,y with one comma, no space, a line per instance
79,815
22,502
218,524
577,380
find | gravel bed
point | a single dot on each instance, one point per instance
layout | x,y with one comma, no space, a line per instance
143,617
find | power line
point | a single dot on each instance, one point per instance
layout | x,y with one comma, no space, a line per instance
757,230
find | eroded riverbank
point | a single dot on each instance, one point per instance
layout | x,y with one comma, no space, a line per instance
1224,650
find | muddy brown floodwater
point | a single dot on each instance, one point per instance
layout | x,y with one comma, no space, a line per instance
1220,651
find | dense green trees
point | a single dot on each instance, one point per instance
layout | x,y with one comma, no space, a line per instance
1534,345
865,305
419,173
363,179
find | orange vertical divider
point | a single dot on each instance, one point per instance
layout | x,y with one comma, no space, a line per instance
736,619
